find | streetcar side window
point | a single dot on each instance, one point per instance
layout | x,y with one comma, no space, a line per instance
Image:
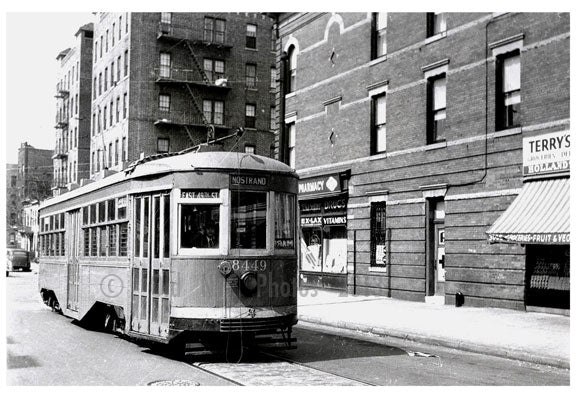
199,226
53,235
248,223
105,229
284,216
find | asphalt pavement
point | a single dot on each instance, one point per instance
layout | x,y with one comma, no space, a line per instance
528,336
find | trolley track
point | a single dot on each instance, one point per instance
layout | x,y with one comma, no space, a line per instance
262,368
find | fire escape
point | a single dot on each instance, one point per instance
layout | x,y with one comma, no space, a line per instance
60,150
194,79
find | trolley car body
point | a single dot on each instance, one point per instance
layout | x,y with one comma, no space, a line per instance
197,242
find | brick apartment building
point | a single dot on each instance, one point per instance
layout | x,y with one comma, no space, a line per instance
164,82
432,151
73,92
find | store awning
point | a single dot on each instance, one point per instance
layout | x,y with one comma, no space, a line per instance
540,215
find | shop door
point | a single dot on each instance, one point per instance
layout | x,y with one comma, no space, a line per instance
439,271
73,265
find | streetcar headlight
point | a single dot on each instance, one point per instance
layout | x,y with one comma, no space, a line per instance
249,282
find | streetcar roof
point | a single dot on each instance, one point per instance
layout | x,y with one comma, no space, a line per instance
191,161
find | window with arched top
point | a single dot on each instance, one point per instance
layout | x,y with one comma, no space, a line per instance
291,67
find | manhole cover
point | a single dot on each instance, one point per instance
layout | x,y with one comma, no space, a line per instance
174,383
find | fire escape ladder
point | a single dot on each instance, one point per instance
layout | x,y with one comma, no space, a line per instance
197,64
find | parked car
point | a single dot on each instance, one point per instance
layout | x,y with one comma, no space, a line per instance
17,259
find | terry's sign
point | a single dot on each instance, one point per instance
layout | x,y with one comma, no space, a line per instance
319,185
546,154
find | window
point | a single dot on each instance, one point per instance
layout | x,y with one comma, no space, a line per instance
76,107
273,78
124,150
118,67
109,155
113,35
291,129
249,148
436,108
164,102
199,226
435,23
126,60
214,30
112,81
117,109
251,36
508,99
99,120
379,124
95,87
163,145
53,236
250,76
214,111
111,112
105,228
291,68
116,152
105,79
378,250
379,23
166,17
107,34
101,41
250,120
100,83
165,64
284,217
214,69
119,27
125,105
105,113
248,224
272,118
13,181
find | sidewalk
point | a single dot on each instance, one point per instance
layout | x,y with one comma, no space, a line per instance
528,336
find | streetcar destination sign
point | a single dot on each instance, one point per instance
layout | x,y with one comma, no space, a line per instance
195,194
246,180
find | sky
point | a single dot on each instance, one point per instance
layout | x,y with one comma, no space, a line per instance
33,40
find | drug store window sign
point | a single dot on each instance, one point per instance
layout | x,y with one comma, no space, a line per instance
546,154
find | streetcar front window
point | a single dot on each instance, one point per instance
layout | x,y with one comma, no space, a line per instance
200,226
248,220
284,216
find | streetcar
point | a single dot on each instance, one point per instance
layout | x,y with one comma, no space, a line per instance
177,247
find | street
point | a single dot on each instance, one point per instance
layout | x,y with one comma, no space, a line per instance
45,348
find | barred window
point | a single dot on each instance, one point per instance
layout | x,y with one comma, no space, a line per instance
105,228
53,235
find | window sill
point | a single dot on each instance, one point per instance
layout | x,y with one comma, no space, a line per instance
376,61
250,128
251,89
509,131
250,49
434,38
436,145
378,156
379,270
290,95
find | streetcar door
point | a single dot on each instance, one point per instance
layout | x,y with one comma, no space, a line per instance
160,260
73,265
141,265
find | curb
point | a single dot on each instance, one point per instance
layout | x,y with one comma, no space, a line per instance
502,352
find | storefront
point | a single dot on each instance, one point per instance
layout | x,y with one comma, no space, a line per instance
323,202
539,219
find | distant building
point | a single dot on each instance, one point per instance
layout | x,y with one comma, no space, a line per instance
12,204
433,153
73,93
34,173
165,82
29,227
